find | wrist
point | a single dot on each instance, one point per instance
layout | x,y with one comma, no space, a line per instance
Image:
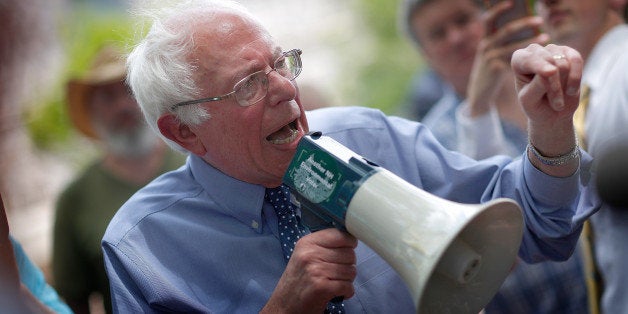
558,160
555,139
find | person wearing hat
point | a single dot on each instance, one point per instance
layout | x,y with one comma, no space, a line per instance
101,107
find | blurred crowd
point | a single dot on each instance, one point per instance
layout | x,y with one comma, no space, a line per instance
459,95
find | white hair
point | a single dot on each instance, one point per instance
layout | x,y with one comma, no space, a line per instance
159,71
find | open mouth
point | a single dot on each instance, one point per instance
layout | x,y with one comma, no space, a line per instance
286,134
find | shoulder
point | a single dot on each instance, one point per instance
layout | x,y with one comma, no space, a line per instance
609,57
333,119
362,124
157,197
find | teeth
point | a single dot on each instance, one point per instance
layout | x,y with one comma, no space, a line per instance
292,137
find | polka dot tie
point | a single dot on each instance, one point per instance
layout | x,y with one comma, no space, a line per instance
291,230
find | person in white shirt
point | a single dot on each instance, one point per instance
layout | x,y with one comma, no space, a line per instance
598,30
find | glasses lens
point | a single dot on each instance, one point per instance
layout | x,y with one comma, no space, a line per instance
289,65
254,87
251,89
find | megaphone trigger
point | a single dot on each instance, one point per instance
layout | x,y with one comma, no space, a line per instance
314,220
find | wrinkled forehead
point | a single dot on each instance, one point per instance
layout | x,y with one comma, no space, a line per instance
230,43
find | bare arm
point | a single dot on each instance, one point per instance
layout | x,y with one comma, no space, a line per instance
14,296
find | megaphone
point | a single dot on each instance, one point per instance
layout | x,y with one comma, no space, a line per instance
453,257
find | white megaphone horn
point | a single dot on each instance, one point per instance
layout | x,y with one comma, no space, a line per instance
453,257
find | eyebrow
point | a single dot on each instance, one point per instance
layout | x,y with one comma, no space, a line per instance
277,52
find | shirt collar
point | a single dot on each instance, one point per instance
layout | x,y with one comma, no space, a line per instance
237,198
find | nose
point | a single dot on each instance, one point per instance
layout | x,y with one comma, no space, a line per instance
455,35
280,88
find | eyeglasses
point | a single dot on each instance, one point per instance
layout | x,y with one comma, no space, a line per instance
254,87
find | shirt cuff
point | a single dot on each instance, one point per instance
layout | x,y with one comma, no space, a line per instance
482,136
551,191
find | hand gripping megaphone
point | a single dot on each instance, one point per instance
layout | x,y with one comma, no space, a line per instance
453,257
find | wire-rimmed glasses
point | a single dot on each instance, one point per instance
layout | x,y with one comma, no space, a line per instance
254,87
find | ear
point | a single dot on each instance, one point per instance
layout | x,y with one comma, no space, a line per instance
171,128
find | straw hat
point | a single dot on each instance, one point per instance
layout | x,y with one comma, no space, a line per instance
107,67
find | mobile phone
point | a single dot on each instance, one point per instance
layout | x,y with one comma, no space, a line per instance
520,8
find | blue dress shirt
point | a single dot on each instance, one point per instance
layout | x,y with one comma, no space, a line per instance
197,240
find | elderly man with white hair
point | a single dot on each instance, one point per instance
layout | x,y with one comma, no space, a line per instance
207,237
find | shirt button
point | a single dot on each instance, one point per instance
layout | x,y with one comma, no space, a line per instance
254,224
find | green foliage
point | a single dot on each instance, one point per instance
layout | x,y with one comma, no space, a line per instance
82,32
90,31
384,82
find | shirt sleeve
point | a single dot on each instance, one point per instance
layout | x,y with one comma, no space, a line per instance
123,274
553,208
481,137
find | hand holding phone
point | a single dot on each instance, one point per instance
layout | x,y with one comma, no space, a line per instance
518,10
